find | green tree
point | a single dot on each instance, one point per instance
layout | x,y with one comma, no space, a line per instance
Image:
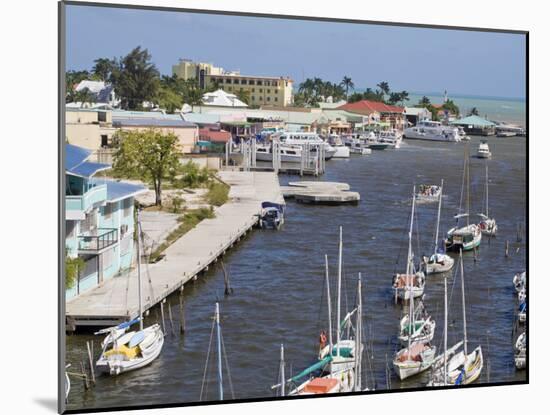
72,268
135,78
104,67
348,84
72,79
168,99
243,96
424,101
394,98
84,96
473,111
451,107
149,154
403,96
384,87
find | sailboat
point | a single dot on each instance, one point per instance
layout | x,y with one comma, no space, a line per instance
123,351
418,355
520,351
462,368
340,369
439,261
411,284
464,238
420,329
487,225
220,350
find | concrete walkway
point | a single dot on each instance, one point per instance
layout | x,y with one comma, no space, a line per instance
117,299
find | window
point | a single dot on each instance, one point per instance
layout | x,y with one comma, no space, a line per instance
229,88
243,82
102,116
269,91
127,205
251,82
253,90
104,140
108,211
259,83
253,97
276,99
269,98
261,90
227,80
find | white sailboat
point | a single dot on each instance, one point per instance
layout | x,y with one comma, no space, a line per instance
420,329
411,284
439,261
125,351
462,368
464,238
487,225
520,352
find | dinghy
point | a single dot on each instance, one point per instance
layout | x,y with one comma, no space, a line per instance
428,193
125,351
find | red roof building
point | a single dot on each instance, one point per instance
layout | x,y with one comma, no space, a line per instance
214,135
366,107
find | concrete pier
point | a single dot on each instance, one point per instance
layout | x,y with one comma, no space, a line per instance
320,192
116,299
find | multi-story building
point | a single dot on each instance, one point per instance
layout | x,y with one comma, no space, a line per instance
263,90
99,218
89,128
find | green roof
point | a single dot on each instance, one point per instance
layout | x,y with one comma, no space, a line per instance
474,120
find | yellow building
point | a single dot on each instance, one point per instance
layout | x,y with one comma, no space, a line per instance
263,90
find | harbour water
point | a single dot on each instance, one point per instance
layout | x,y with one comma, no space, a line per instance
279,292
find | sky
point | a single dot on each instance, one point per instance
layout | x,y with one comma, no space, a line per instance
413,59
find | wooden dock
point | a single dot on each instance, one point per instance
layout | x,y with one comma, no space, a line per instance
328,193
116,299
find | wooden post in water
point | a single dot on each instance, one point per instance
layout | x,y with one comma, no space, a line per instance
506,248
91,360
162,316
84,376
228,290
171,319
182,312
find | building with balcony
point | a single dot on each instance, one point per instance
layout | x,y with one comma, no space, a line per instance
99,219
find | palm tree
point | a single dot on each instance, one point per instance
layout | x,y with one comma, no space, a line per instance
243,96
473,111
424,101
84,96
403,96
347,83
384,87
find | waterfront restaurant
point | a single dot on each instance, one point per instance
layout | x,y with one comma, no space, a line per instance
476,125
99,219
378,112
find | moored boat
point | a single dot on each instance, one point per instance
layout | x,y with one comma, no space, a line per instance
483,151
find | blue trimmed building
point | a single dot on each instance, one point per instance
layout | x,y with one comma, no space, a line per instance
99,218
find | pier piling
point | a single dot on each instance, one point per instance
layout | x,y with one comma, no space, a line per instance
171,320
182,313
162,316
91,361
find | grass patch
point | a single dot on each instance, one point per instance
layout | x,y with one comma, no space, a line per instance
187,222
218,193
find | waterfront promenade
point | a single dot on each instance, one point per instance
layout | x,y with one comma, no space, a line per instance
116,299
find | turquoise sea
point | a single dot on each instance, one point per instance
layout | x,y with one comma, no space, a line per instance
512,110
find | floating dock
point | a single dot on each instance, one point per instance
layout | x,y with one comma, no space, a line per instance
116,300
329,193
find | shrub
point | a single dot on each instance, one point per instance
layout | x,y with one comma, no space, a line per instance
218,193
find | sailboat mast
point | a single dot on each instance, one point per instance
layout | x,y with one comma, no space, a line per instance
487,190
139,270
409,270
282,370
329,307
219,338
463,304
445,337
339,295
467,189
358,337
438,218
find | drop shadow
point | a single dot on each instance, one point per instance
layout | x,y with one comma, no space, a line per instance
48,403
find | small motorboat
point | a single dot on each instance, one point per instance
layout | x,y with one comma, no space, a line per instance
428,193
404,284
483,151
272,215
520,352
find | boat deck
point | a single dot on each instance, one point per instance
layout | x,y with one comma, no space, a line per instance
116,299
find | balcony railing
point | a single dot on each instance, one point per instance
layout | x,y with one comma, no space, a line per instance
103,238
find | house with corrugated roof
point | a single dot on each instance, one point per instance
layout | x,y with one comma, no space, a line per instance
476,125
99,220
377,113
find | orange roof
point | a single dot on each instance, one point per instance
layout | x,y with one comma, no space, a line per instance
219,136
367,107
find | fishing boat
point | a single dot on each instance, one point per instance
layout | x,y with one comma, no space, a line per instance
420,329
520,351
411,283
463,368
272,215
487,225
432,131
124,351
466,237
439,261
483,151
428,193
288,154
301,138
341,150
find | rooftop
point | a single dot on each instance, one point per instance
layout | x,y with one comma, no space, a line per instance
76,162
474,120
117,190
368,107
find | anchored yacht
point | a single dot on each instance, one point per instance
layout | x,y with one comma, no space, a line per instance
434,131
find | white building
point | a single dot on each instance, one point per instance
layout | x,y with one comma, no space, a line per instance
221,98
